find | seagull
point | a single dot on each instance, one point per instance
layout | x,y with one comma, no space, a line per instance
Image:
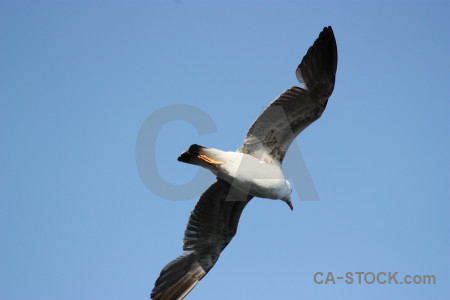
254,170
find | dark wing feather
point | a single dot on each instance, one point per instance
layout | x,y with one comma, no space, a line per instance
211,226
271,134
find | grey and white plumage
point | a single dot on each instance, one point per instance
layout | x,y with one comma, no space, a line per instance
253,170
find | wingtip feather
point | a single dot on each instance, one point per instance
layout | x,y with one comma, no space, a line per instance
178,278
317,70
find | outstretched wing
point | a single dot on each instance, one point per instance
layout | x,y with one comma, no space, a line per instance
211,226
271,134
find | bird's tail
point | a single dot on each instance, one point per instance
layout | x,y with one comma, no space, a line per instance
201,156
190,156
317,70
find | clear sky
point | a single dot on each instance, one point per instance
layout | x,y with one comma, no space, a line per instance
79,78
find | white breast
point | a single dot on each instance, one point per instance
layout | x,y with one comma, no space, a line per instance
252,176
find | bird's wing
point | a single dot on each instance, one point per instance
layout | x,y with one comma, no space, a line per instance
271,134
211,226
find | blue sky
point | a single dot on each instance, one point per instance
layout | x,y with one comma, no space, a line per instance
79,78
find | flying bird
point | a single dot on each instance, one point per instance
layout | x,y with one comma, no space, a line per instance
254,170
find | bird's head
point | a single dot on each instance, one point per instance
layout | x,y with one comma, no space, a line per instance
287,197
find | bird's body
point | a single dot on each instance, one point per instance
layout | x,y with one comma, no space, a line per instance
254,170
243,171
